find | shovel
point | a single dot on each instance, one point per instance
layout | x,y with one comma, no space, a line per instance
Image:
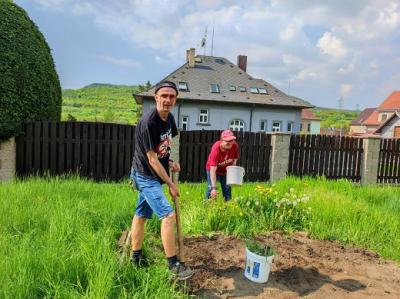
181,253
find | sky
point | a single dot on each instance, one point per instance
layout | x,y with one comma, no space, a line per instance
320,51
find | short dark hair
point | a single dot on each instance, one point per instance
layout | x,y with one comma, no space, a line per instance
166,83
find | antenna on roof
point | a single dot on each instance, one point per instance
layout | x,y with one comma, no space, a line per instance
288,92
212,42
340,103
204,41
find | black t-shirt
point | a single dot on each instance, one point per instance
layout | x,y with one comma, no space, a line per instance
153,134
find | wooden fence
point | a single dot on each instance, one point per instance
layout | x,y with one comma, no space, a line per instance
389,161
96,150
332,156
255,149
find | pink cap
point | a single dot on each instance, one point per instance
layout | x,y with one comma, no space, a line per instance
227,135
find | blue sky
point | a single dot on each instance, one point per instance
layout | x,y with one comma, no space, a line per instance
316,50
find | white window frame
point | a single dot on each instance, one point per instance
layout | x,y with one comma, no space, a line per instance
185,123
291,126
276,128
242,89
203,116
237,127
265,122
217,88
309,127
183,86
232,88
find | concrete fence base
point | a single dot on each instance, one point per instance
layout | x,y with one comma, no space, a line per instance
7,160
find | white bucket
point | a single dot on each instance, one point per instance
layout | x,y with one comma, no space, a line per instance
257,267
234,175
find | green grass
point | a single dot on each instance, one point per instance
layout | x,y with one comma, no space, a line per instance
335,118
58,236
100,102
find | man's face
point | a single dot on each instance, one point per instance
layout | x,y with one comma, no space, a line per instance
165,99
226,144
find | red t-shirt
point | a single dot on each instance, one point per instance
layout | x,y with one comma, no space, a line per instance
222,159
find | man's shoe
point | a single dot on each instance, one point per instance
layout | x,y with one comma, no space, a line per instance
140,261
181,272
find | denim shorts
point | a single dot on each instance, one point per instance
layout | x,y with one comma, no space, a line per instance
151,197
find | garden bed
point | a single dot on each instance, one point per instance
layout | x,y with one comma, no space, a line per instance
302,267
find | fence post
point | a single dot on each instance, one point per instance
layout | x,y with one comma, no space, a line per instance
7,159
370,160
279,159
174,145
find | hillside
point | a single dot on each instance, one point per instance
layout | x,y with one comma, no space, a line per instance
335,118
100,102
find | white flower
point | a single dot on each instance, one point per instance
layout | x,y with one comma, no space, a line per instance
291,190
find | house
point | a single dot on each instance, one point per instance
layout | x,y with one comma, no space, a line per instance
374,121
310,123
390,128
215,94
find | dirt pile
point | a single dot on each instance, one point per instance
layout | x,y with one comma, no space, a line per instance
302,267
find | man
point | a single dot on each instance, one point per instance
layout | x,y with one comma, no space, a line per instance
150,167
224,152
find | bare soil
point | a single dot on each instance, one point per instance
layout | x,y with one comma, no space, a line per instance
302,268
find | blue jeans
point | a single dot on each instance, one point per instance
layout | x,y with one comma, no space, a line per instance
226,190
151,197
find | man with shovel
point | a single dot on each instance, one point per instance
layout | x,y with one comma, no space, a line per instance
150,167
224,153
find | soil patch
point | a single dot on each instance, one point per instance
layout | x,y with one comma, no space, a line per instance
302,267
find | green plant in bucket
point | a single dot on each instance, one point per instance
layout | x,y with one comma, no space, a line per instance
259,249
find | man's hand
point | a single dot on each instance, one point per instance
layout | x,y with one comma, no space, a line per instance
214,193
173,191
175,166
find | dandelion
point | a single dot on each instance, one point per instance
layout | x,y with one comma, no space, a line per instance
291,190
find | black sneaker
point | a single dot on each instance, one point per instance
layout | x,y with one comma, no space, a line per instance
181,272
140,261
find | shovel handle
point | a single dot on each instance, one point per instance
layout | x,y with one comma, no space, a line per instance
178,221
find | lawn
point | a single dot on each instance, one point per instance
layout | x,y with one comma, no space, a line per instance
58,236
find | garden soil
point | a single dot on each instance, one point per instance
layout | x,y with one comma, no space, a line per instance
302,268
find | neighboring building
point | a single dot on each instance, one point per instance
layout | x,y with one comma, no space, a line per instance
390,128
371,120
310,123
215,94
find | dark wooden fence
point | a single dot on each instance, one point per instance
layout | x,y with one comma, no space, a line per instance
331,156
96,150
255,149
389,161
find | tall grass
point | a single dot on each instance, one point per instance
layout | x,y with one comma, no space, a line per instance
58,236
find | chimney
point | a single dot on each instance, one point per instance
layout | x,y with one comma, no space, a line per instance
242,62
190,56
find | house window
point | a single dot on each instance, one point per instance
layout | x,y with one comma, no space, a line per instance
263,125
384,117
237,125
301,127
203,116
253,89
214,88
290,126
309,127
185,123
276,126
242,88
183,86
262,91
232,87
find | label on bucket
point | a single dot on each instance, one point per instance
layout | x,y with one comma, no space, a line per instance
256,269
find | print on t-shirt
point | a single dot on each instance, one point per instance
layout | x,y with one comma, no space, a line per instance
163,148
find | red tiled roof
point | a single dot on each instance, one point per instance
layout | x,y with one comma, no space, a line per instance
392,102
362,116
372,120
308,114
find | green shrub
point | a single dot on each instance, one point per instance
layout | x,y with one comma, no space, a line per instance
29,86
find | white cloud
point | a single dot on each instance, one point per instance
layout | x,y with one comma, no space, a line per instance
50,3
129,63
345,89
331,45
